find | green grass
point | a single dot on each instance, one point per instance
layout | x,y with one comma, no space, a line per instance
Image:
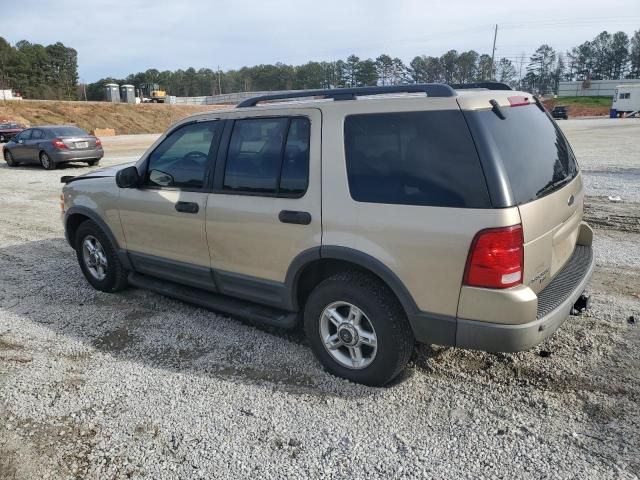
584,101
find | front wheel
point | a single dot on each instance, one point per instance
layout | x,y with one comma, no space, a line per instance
98,259
2,139
8,157
357,329
46,162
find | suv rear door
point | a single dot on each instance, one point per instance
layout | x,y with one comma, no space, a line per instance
265,206
544,182
164,219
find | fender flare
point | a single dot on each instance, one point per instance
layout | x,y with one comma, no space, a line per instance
350,255
86,212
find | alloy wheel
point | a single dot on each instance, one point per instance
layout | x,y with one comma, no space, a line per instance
94,257
348,335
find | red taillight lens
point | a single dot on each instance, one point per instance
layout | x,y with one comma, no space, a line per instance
518,100
59,144
496,258
98,142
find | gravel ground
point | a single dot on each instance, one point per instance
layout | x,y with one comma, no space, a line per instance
138,385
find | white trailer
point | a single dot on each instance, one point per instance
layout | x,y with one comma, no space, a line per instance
626,99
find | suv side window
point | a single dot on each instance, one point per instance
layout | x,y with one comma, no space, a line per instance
414,158
269,156
182,159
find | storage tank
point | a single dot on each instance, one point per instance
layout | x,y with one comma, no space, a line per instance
112,92
127,93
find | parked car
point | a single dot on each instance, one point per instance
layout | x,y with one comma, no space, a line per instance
560,111
451,218
9,130
52,145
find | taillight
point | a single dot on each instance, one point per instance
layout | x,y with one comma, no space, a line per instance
496,258
518,100
59,144
98,142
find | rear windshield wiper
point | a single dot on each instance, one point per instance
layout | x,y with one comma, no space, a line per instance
495,108
553,185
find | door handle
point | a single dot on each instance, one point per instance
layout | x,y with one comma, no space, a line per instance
187,207
291,216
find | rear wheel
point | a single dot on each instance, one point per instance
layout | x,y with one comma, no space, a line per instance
93,162
46,162
2,139
357,329
9,159
98,259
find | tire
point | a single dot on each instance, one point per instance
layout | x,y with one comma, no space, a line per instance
115,275
2,139
92,163
383,319
8,157
46,162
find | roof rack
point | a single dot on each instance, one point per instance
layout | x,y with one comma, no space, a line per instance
431,89
487,85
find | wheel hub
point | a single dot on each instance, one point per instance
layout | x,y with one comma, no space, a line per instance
348,335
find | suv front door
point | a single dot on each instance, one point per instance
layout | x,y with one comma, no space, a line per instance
164,219
265,206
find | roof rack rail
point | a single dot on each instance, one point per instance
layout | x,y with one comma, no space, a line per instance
487,85
431,89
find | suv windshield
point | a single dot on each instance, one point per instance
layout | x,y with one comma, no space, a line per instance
536,156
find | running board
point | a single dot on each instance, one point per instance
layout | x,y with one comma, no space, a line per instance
215,301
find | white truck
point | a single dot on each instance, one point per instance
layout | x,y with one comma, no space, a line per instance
626,100
9,95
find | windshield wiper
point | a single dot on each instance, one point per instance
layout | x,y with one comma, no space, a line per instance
553,185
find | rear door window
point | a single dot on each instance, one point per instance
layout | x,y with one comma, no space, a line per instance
535,154
414,158
268,156
37,135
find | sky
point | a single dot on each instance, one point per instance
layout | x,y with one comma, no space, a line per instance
115,38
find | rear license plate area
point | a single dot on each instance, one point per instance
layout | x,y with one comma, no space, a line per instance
81,144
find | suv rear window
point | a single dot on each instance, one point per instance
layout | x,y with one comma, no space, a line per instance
536,156
414,158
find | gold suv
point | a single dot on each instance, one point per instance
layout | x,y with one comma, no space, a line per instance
376,216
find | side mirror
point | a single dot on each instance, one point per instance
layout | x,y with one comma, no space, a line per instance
128,177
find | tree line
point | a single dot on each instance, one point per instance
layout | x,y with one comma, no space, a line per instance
36,71
51,72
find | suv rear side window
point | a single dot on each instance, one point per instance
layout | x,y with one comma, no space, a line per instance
533,150
269,156
414,158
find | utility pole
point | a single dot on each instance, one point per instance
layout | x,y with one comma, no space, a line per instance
493,51
520,72
219,81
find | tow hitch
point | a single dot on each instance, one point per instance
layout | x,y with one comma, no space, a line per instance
581,304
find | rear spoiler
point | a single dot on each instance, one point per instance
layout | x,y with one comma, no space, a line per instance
486,85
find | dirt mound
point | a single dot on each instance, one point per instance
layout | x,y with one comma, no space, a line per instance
123,118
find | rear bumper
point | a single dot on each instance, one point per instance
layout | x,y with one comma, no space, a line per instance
554,306
59,156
